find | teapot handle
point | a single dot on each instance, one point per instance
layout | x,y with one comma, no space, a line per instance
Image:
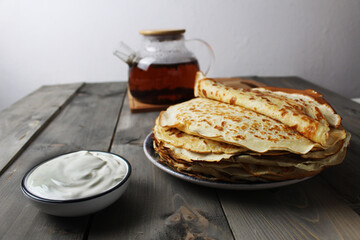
211,52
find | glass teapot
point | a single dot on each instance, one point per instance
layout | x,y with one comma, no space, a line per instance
163,70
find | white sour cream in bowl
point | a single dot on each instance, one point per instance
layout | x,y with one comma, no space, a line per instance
77,183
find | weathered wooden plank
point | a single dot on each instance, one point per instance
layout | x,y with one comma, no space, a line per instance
156,205
345,178
22,121
88,122
308,210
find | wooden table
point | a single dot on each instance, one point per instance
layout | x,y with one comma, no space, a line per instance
64,118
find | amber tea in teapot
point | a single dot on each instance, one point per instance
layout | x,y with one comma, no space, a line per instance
163,70
163,83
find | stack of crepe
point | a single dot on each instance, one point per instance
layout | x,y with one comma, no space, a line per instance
257,135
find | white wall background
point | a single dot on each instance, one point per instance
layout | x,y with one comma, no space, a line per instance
60,41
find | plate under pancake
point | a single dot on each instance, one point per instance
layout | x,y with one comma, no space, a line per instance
153,157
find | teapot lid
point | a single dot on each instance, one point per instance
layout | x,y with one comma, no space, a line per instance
156,32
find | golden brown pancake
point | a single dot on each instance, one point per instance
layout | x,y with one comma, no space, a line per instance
246,167
305,111
257,135
234,125
192,143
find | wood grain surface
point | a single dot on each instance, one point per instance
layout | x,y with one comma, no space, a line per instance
81,125
157,205
344,178
21,122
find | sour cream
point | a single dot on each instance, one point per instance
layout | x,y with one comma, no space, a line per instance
77,175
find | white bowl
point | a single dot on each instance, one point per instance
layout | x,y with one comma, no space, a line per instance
78,206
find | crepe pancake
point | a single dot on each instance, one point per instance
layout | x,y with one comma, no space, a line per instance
196,144
247,167
257,135
192,143
198,171
234,125
305,111
237,171
287,160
